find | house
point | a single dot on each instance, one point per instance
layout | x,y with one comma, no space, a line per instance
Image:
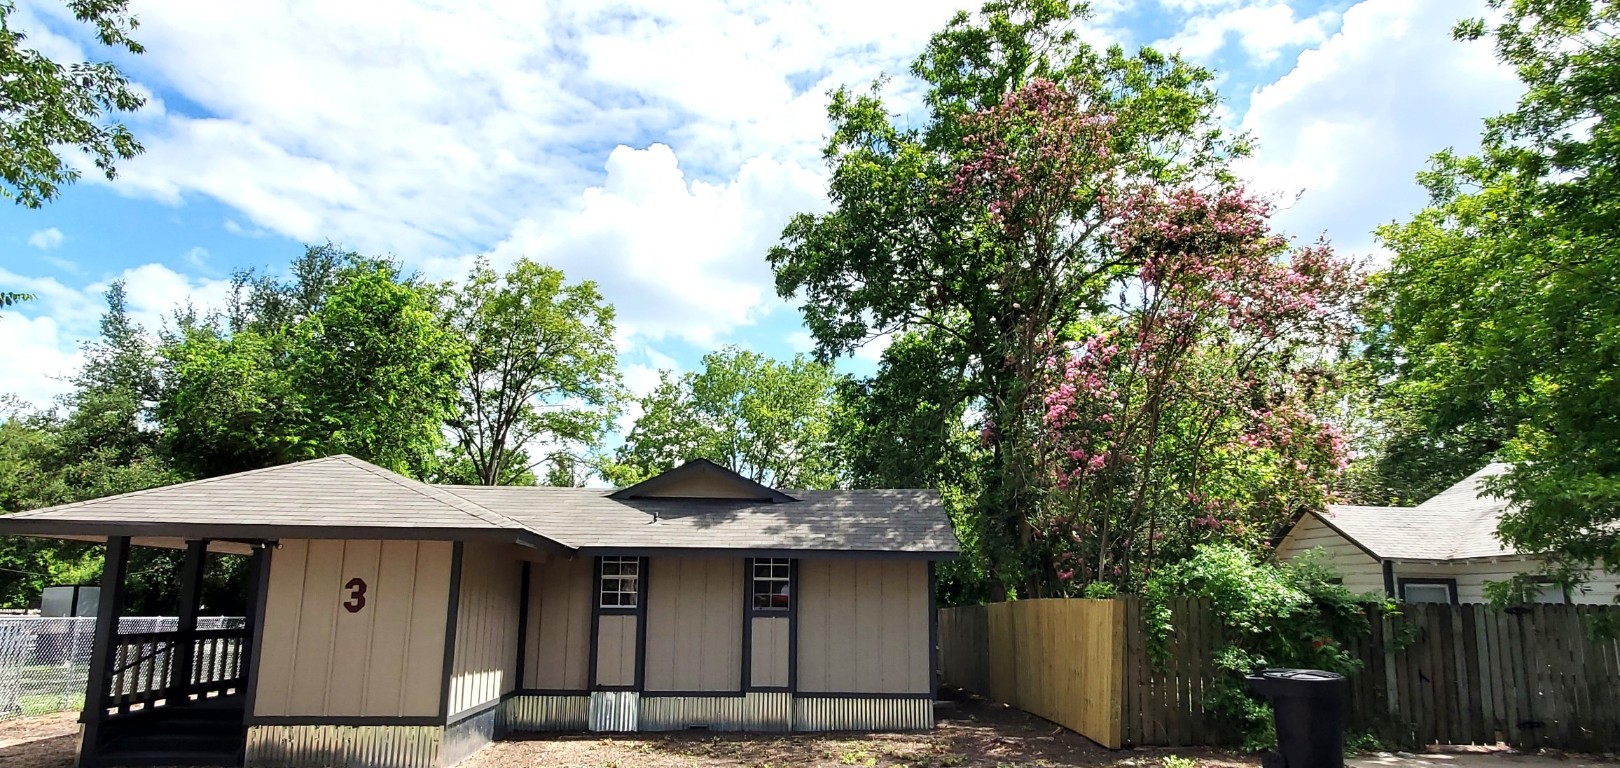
1444,550
397,623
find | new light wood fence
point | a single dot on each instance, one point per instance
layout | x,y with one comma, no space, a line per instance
1531,677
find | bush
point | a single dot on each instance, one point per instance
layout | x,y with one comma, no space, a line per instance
1276,615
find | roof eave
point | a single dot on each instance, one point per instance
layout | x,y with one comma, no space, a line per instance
55,528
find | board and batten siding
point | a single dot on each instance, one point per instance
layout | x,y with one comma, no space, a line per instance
694,625
863,627
485,662
616,649
558,656
1361,573
386,659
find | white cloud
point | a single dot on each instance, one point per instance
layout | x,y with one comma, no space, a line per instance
46,239
690,253
39,355
1358,116
1262,30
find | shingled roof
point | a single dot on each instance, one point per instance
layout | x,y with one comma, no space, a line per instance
344,497
1458,523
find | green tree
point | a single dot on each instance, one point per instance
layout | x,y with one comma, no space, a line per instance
769,421
10,298
541,371
46,106
985,223
1503,308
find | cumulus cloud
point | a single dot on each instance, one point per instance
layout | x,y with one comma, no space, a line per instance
1262,30
690,252
1350,125
46,239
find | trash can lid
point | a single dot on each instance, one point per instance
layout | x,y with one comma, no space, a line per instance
1300,675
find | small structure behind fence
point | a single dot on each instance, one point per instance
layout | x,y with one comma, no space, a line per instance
45,662
1449,674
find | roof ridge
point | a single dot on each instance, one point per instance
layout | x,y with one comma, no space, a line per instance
464,506
199,481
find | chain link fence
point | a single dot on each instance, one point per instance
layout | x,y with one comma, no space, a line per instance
45,662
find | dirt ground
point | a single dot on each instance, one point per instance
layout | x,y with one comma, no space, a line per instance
971,734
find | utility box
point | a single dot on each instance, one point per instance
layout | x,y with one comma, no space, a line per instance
69,601
1307,706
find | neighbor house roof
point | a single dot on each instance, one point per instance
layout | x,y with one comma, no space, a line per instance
1458,523
699,506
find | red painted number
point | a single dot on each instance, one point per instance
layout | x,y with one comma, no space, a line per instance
357,595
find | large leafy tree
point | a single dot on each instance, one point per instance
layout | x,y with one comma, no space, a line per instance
770,421
983,223
46,105
541,374
1504,295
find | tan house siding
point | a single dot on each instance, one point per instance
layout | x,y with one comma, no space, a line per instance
768,656
320,659
1360,571
863,626
559,634
694,624
485,664
616,649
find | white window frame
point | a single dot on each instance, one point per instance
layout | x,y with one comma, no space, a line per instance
778,570
622,583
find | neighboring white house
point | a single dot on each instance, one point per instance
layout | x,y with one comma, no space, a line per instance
1443,550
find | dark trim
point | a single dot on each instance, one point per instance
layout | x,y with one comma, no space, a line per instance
693,694
101,657
858,695
451,614
796,554
260,566
596,621
547,692
933,628
616,688
10,526
1389,579
750,614
1450,584
643,576
474,712
342,720
523,621
701,467
191,580
793,626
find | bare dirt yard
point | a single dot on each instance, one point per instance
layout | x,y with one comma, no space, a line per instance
971,734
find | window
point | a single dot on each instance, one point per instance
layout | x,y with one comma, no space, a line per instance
1548,591
772,584
1426,592
619,580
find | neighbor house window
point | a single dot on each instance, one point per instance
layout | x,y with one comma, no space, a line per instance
773,584
620,575
1426,591
1548,591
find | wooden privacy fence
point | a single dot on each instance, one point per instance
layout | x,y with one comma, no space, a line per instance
1468,674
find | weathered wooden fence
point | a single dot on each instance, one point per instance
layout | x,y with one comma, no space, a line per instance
1468,674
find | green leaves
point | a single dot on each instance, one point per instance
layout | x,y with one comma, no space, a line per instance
46,106
770,421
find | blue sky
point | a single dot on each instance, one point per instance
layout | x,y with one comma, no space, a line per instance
656,148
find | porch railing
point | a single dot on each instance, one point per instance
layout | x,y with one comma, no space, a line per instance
144,663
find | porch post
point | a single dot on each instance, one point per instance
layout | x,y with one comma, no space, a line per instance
101,653
191,581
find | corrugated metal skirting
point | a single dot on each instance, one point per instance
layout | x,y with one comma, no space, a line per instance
364,746
468,735
858,714
768,711
614,711
547,713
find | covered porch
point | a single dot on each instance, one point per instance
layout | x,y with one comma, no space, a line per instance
176,697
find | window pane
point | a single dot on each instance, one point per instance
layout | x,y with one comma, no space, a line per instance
610,568
610,599
1428,593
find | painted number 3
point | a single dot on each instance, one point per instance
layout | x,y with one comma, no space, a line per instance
357,595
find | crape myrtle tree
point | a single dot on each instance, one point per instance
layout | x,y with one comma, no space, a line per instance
982,226
1502,303
1194,409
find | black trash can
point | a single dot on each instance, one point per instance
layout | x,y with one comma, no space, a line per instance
1308,708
